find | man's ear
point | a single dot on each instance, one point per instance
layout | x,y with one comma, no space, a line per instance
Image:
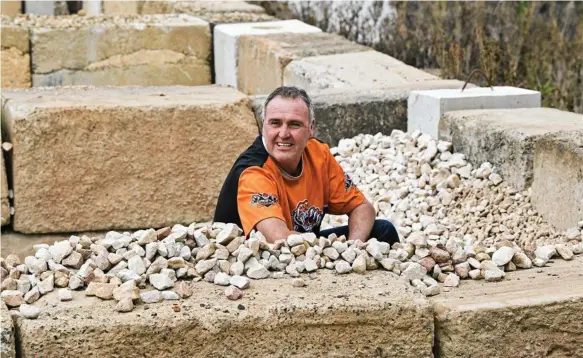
312,128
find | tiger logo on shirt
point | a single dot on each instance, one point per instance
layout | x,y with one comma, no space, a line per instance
306,217
263,200
348,183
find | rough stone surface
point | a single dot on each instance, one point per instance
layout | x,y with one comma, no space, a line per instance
363,316
11,8
145,120
15,55
156,50
270,54
513,132
370,69
524,315
344,113
7,343
557,186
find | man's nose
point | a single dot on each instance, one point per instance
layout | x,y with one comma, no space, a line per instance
284,131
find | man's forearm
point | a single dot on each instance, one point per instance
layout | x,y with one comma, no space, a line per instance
360,222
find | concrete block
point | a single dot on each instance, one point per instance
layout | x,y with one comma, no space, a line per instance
11,7
88,158
46,7
146,50
226,43
425,108
383,318
557,186
505,137
525,315
268,55
343,113
15,55
92,7
370,69
7,341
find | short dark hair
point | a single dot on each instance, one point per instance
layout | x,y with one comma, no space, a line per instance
290,92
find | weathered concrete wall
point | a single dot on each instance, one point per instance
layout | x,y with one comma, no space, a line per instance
328,318
149,50
7,344
343,113
505,137
525,315
15,54
46,7
262,59
557,187
98,159
369,69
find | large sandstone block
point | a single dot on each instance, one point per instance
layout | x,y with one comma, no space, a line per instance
525,315
88,158
15,70
262,59
11,7
343,113
557,186
7,343
151,50
133,7
352,70
226,43
505,137
329,318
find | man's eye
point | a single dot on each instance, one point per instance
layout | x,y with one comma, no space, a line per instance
295,125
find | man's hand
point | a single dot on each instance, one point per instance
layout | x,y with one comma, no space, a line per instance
274,229
360,222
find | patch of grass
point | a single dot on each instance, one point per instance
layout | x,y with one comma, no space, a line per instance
536,45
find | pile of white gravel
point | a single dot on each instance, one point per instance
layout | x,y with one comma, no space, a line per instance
455,221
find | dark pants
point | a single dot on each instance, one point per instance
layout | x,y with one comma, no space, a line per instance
382,230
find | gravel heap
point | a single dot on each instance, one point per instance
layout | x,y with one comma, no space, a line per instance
421,187
456,222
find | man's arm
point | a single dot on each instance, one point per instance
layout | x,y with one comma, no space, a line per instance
274,229
360,222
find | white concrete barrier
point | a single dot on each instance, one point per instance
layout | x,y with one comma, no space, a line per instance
226,38
425,108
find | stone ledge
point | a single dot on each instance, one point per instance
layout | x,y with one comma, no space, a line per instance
360,70
511,132
88,158
334,316
7,342
531,313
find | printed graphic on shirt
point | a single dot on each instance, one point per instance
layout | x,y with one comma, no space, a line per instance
347,182
263,200
306,217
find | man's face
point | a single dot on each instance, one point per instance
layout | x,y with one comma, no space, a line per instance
286,130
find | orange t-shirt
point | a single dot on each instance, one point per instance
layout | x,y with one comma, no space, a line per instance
264,191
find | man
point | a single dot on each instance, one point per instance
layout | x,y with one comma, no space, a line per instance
287,180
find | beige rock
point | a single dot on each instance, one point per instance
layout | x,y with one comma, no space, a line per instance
15,57
565,252
114,111
270,54
233,293
154,50
12,298
11,8
183,289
